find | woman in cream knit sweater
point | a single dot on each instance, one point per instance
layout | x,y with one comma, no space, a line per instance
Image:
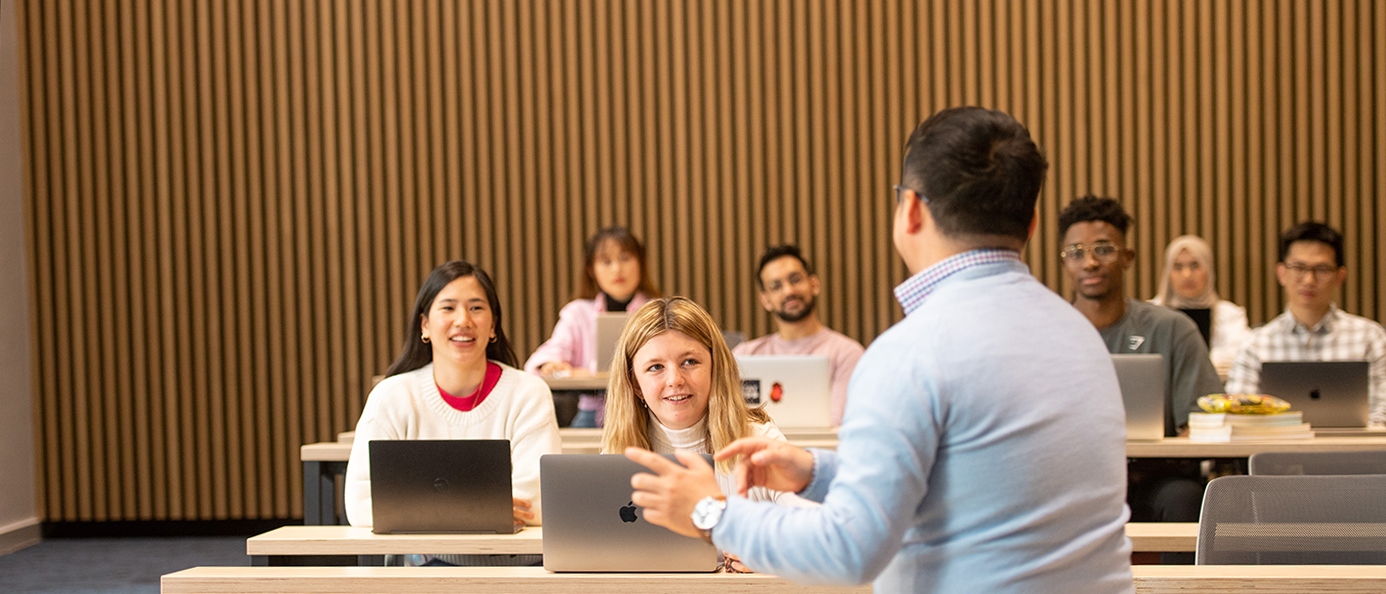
456,378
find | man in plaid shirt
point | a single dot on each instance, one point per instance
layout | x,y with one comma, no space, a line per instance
1312,327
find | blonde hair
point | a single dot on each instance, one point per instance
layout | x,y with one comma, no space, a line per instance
627,419
1203,253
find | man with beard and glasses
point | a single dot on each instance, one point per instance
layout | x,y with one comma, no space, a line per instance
789,289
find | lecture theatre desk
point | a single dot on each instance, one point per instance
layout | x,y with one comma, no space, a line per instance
324,462
276,546
1150,579
1181,447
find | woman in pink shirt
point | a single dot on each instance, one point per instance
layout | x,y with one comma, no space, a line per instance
617,280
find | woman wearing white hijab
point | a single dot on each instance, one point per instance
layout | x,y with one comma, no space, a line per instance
1187,283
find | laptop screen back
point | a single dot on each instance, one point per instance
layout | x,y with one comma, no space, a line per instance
1142,381
609,328
441,486
1329,393
1203,318
590,523
793,389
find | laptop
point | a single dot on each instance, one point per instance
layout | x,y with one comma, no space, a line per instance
1203,318
590,523
1329,393
609,328
794,389
441,486
1142,381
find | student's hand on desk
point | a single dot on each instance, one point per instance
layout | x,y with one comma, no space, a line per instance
669,494
522,513
769,463
553,368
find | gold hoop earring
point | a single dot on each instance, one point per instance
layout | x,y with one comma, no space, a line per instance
493,338
424,337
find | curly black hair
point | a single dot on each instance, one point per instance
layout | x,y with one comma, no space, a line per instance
1094,208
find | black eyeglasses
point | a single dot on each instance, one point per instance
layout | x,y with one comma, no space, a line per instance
1322,272
899,188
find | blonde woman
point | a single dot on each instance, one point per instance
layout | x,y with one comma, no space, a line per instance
1187,283
675,387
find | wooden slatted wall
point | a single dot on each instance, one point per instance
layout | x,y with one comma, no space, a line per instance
231,202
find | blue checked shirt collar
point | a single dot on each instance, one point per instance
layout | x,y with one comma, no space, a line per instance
914,291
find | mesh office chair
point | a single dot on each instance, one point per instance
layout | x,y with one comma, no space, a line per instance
1289,463
1293,520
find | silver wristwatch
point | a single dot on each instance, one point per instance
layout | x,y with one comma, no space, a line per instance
707,513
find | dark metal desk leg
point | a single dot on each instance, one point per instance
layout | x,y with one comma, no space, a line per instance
318,495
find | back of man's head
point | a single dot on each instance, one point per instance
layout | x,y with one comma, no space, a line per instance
1312,231
1094,208
776,252
979,170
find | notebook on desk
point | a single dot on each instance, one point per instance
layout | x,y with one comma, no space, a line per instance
1331,394
441,486
609,328
793,389
1142,381
590,523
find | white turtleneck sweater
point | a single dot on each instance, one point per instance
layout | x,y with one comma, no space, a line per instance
664,440
408,406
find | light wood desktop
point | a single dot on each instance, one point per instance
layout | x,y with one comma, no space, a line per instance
276,546
1149,579
324,462
1181,447
584,383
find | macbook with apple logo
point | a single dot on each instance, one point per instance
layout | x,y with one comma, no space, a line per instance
591,524
1331,394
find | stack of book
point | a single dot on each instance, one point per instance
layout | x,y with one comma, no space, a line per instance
1235,427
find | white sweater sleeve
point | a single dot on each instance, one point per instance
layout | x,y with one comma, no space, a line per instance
374,424
533,432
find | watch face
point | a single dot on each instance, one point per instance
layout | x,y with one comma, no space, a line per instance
706,513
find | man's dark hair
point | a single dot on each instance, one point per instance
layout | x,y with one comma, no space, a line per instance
780,251
979,170
1313,231
1094,208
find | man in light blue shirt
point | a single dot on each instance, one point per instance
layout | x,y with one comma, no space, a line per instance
983,444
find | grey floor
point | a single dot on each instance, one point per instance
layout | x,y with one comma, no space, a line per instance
111,565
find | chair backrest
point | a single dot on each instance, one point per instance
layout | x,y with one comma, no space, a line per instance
1288,463
1293,520
733,337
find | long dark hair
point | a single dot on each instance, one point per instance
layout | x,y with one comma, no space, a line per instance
416,353
628,243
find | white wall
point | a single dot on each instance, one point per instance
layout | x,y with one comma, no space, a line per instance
19,523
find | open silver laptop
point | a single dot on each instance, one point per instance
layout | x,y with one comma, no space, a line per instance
590,523
794,389
1142,381
1333,394
441,486
609,328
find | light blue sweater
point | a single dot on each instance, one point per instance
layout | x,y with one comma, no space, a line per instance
982,450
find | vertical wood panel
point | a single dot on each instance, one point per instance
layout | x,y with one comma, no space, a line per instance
232,201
